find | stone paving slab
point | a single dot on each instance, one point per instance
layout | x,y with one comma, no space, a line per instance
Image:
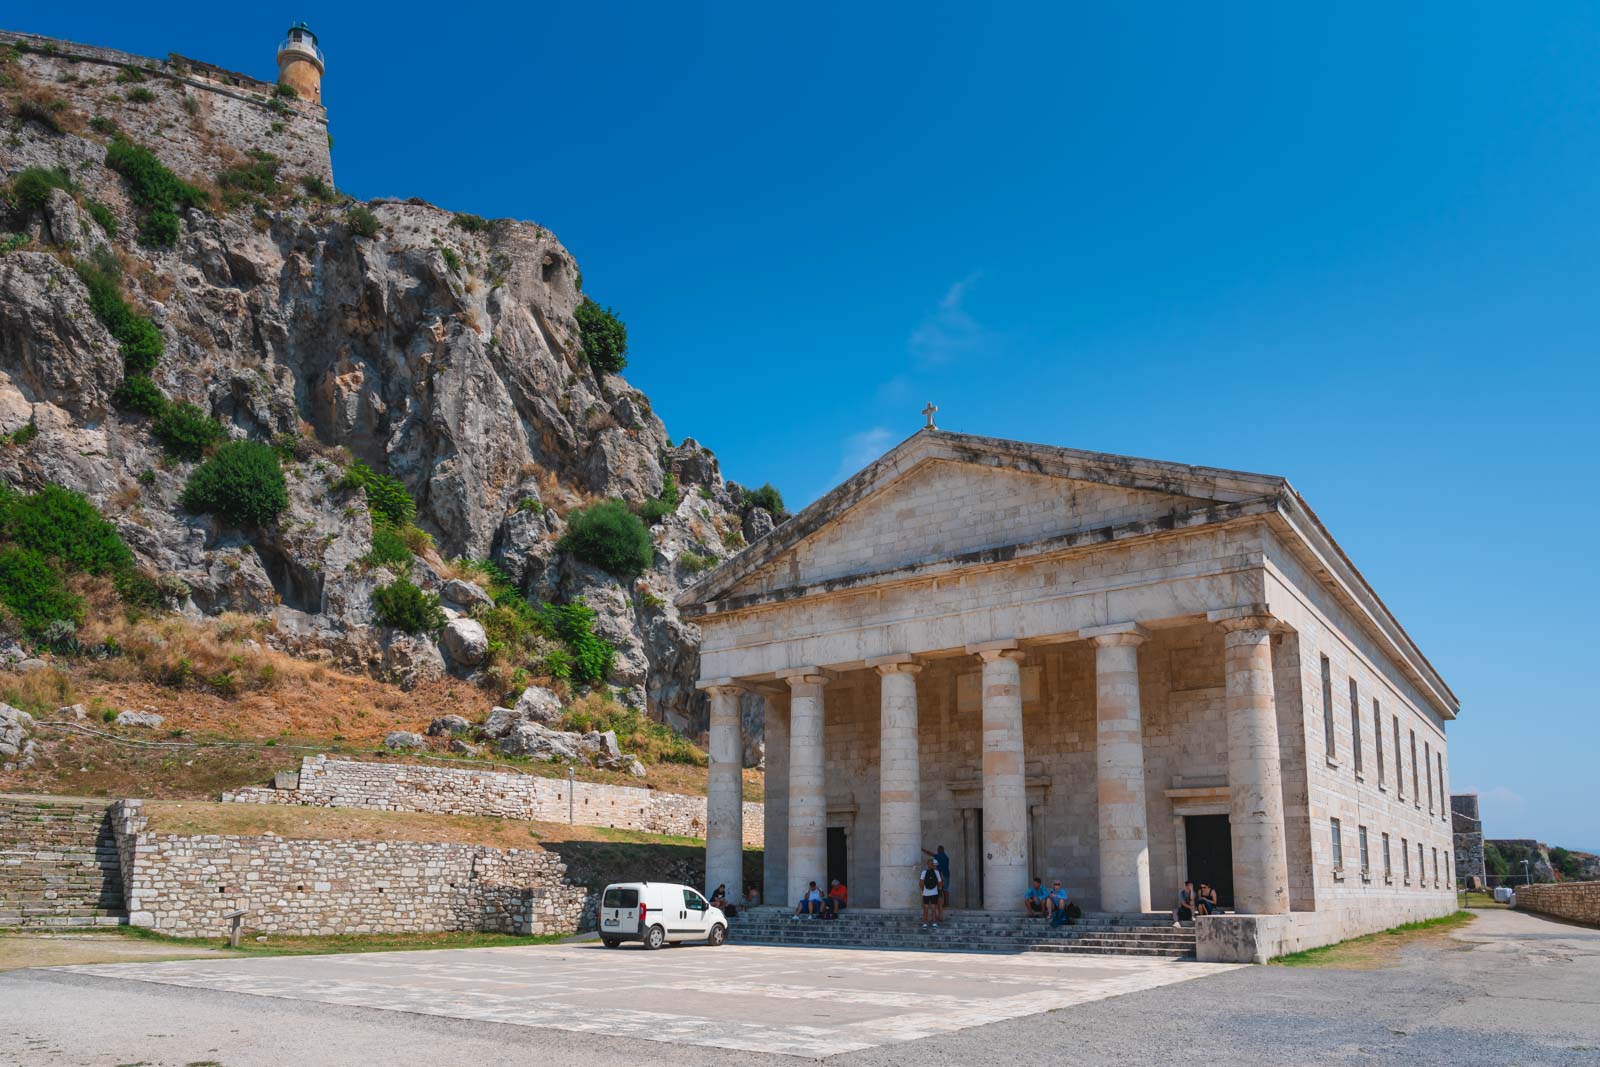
797,1001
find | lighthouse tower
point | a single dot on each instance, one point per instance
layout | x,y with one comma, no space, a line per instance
300,64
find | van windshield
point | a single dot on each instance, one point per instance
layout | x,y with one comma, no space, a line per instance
621,898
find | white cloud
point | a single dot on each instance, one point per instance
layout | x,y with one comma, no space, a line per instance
950,332
861,449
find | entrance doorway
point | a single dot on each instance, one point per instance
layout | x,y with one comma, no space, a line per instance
838,856
969,876
1209,844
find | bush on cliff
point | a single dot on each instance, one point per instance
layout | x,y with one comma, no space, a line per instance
402,606
159,193
242,483
33,591
605,337
185,431
141,341
31,189
610,537
64,526
387,498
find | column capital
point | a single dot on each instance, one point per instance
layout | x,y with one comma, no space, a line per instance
989,651
715,686
901,663
1115,633
798,676
1245,617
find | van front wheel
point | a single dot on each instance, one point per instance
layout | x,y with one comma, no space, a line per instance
655,937
719,934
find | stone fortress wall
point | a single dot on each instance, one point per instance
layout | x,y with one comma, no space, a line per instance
1577,902
185,885
1467,832
199,119
330,783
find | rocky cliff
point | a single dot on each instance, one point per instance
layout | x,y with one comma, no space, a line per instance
441,350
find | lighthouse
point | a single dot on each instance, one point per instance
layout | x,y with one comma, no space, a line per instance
300,63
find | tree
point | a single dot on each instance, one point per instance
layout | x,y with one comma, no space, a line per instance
605,337
611,537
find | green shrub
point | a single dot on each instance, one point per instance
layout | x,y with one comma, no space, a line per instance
158,192
242,483
532,504
24,433
259,177
362,222
185,431
141,342
46,113
695,562
471,223
651,741
386,497
605,337
317,188
400,605
389,548
141,95
610,537
103,215
138,393
34,592
452,259
101,124
30,190
766,497
284,89
655,509
573,624
64,526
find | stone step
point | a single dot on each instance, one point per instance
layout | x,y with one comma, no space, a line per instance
65,922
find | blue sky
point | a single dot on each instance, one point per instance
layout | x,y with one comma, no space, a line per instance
1355,246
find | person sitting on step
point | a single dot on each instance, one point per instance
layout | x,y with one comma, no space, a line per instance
1059,902
1208,900
719,899
838,897
810,903
752,895
931,883
1036,902
1184,912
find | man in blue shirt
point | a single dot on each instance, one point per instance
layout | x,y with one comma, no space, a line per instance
1037,900
1058,905
942,858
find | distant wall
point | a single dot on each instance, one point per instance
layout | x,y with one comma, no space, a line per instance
184,885
228,116
1577,902
1467,839
329,783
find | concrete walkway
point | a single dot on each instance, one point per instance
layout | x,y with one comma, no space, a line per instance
1509,989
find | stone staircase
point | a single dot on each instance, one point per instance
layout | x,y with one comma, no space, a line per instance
968,931
58,864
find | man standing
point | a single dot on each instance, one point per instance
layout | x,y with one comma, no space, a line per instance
931,882
942,858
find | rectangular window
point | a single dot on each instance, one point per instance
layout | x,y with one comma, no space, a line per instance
1416,782
1388,870
1422,866
1427,765
1366,863
1399,763
1327,707
1405,860
1338,845
1444,800
1377,737
1436,868
1355,726
1447,869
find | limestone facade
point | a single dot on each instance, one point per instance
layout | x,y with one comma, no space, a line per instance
332,783
1118,660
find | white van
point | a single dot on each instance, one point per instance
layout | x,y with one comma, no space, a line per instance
656,913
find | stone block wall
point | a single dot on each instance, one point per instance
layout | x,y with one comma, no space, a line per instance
199,118
1577,902
184,885
1467,834
331,783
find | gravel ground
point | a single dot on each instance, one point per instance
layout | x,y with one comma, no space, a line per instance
1508,989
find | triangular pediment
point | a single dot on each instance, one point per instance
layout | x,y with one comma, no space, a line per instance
940,496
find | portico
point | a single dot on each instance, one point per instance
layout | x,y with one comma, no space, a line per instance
1045,660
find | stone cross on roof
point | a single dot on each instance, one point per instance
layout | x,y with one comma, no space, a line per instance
928,414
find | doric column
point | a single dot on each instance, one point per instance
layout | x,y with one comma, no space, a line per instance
1119,769
899,785
775,869
1255,771
808,798
1005,797
725,790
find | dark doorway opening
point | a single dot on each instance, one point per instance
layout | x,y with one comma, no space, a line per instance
1209,844
838,856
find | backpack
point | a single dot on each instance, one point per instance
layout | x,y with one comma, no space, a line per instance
930,879
1073,911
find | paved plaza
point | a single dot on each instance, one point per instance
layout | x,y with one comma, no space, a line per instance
795,1001
1509,988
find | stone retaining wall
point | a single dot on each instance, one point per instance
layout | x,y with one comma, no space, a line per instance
1577,902
331,783
184,885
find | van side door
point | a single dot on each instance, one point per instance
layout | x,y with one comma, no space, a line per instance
696,911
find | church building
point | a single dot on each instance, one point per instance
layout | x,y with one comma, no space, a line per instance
1115,672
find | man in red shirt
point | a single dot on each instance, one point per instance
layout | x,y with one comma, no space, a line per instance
838,897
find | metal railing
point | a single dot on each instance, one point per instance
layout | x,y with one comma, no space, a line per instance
293,44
